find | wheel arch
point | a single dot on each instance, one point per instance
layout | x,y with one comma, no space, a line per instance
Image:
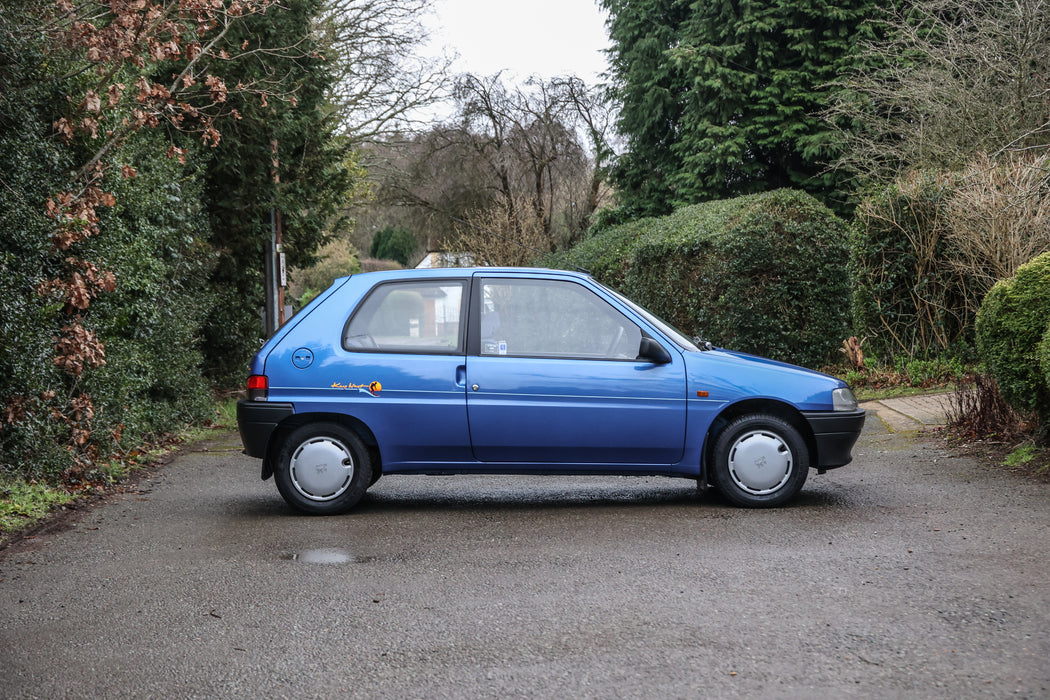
297,420
780,409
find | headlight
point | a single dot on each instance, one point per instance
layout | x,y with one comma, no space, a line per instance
844,400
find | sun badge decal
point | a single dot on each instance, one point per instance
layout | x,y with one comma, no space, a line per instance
374,388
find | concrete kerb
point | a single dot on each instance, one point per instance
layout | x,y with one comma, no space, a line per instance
910,413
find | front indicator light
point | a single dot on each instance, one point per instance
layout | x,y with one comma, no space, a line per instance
844,400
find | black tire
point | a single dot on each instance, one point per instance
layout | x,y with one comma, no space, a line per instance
308,469
759,461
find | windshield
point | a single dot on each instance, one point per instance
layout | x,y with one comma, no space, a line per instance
664,327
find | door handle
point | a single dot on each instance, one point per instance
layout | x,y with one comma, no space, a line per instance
461,375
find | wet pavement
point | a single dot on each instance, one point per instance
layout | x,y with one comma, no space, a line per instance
909,573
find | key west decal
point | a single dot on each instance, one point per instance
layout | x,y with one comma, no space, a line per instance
372,388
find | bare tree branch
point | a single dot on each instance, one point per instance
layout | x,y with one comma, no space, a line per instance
382,81
951,80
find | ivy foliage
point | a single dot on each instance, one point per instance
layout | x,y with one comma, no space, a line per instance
31,386
1012,324
161,285
154,245
763,273
722,98
1044,356
337,259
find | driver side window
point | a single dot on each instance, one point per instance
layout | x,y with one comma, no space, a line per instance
553,318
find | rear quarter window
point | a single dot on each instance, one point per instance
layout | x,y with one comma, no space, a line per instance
409,317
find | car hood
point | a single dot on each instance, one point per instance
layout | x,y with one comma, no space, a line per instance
727,376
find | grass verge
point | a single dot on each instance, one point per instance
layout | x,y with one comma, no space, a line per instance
23,504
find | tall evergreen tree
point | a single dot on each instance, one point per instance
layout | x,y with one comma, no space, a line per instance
278,153
722,97
650,89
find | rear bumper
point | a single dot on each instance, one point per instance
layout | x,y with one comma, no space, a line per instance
835,433
256,421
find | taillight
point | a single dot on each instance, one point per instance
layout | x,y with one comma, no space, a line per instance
258,387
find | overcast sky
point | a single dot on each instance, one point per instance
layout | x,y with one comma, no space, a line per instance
523,37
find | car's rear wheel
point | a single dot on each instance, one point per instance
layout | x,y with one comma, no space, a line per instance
323,469
759,461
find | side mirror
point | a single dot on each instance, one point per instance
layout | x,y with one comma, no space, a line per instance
652,351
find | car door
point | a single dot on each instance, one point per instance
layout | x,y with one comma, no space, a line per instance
553,379
402,368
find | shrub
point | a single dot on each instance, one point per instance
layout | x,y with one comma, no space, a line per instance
376,265
394,243
1044,356
152,243
1011,324
928,373
499,235
605,254
977,410
999,216
927,249
761,273
337,259
907,298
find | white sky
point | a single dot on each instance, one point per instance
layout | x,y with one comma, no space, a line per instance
522,37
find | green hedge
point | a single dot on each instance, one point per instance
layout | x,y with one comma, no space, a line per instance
763,273
607,255
1012,323
1044,356
394,243
184,240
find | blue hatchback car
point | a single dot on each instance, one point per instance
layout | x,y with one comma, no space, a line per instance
524,371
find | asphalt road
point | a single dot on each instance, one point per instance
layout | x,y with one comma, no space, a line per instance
909,573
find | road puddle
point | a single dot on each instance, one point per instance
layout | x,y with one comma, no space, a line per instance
329,555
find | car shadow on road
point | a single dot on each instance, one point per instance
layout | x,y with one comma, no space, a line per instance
520,502
422,495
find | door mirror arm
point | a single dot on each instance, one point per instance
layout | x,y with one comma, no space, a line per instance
652,351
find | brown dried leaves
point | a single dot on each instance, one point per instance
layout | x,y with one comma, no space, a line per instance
76,214
85,283
77,348
143,32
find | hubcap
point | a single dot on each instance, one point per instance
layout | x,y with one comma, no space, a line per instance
760,462
322,468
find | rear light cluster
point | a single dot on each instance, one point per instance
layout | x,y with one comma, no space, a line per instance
258,387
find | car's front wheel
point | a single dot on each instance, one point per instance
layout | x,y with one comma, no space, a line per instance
759,461
323,469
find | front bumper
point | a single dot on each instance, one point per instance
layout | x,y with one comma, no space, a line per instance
834,433
256,421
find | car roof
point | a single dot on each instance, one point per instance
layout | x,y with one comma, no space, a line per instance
465,272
